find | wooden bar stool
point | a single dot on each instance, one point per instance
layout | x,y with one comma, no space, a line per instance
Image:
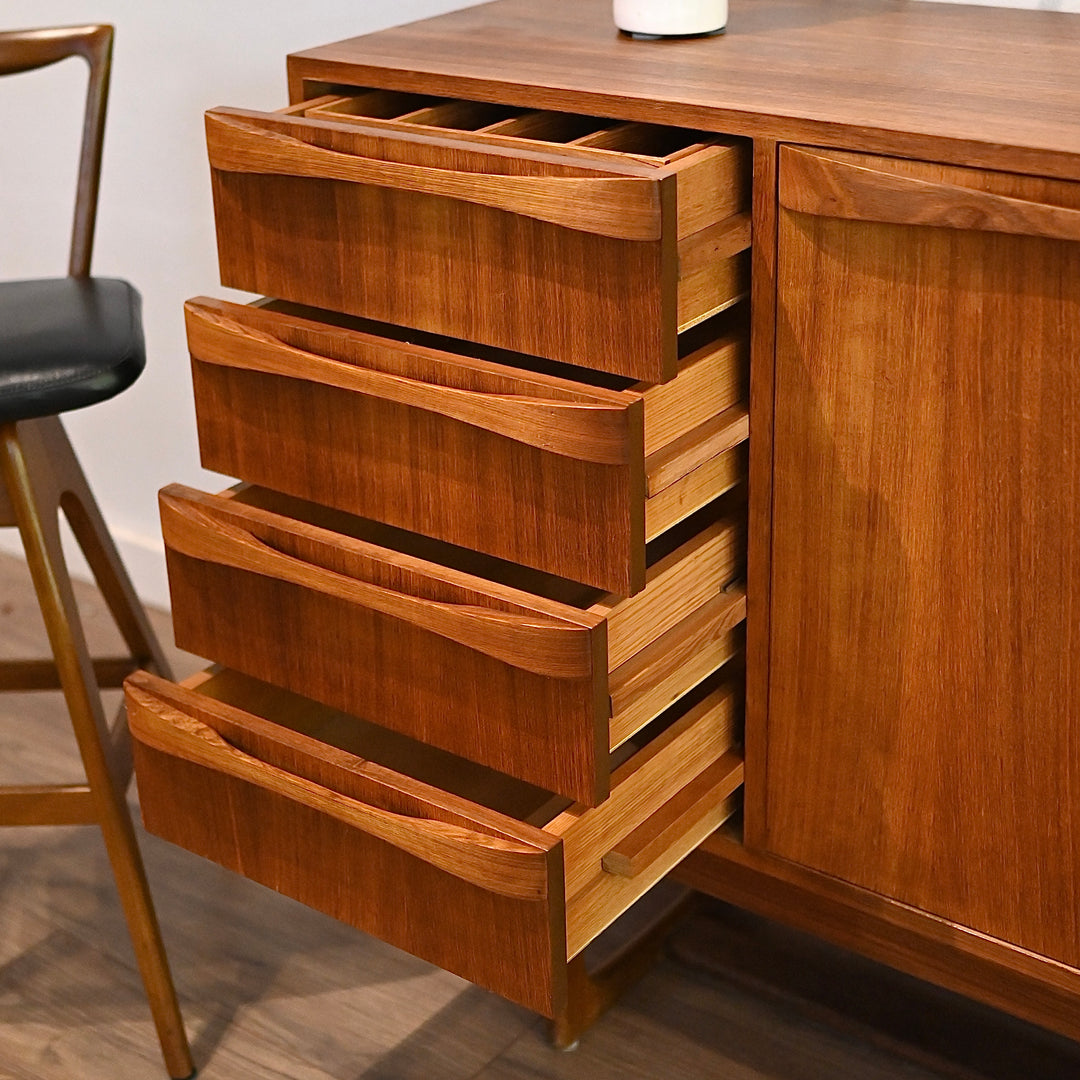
66,343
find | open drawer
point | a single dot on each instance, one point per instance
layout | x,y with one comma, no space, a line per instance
487,660
561,469
596,251
484,876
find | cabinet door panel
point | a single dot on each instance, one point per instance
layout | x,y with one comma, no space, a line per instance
924,688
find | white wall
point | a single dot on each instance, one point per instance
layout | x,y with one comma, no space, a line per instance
172,61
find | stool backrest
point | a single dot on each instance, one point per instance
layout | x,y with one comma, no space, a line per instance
24,50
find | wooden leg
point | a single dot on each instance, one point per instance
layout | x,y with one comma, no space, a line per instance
590,993
34,485
46,441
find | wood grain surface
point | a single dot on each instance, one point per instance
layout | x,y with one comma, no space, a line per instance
990,87
253,821
714,373
712,186
537,468
675,662
708,441
626,208
261,794
325,233
387,652
719,474
917,534
860,187
593,909
700,729
709,560
529,671
944,952
922,690
760,487
312,775
690,810
462,451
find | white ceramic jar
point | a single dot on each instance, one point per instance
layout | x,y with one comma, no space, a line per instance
670,18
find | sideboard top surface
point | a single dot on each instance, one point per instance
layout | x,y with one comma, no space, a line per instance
989,86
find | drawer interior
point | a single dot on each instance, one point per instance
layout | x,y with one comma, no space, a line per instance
502,124
446,187
410,757
371,742
673,548
726,329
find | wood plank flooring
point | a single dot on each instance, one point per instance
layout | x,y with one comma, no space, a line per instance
274,991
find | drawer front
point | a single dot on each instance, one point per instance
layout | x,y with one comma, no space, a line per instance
491,662
485,893
492,674
527,467
231,770
537,251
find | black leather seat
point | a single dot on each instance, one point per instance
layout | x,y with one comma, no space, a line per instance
66,343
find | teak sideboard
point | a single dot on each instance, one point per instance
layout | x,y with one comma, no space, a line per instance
601,385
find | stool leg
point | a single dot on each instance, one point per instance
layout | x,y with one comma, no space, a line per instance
30,492
47,440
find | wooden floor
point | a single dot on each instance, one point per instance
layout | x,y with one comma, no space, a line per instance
273,990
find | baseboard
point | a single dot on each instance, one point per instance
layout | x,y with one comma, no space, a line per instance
143,557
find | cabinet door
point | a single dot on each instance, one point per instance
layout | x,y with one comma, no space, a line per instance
924,684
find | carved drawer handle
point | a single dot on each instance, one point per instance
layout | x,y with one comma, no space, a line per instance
828,185
532,642
621,207
498,865
586,431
